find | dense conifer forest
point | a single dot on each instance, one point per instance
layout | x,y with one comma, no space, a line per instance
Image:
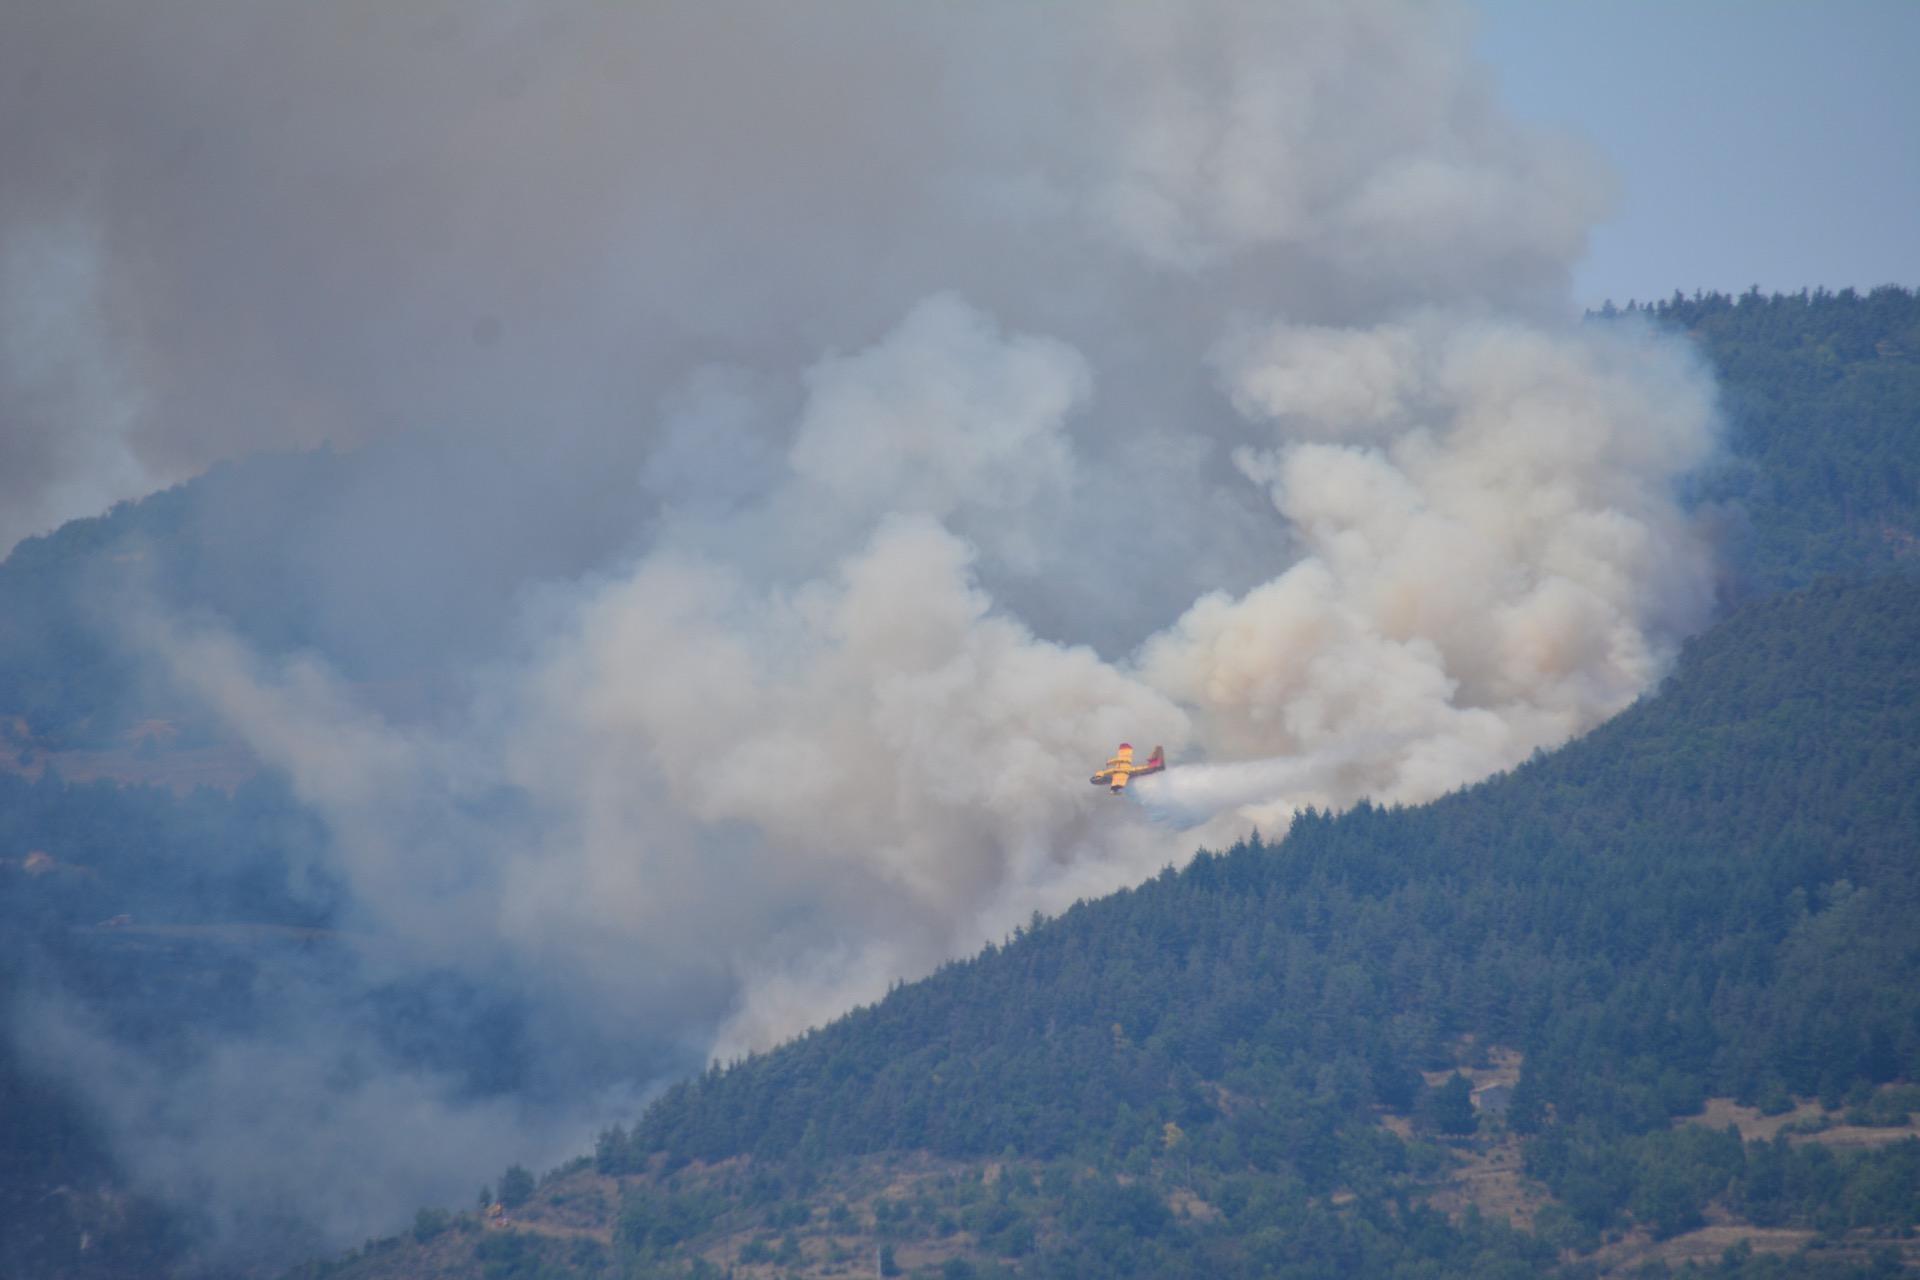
1273,1061
1822,395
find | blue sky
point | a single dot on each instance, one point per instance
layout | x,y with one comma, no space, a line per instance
1761,142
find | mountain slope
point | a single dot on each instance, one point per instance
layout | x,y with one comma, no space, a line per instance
1656,873
1710,896
1226,1070
1822,394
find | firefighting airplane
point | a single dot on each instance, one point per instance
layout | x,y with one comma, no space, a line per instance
1121,768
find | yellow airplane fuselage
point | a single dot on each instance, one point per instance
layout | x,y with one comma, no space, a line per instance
1121,768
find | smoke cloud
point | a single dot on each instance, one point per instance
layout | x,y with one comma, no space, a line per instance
809,440
1493,558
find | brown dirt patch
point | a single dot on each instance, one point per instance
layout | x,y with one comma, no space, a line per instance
1636,1249
1807,1114
1186,1204
1488,1177
552,1230
1625,1256
1753,1127
1848,1137
1502,1066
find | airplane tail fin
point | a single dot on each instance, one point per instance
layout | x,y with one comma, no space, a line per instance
1158,759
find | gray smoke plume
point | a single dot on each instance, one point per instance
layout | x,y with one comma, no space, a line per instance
841,426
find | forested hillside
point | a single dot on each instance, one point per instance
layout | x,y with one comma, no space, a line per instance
1239,1068
66,674
1822,394
160,917
1274,1061
1714,895
1718,889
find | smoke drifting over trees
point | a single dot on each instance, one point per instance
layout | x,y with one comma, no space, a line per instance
848,423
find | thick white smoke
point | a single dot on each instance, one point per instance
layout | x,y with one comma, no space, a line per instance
903,405
1495,559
